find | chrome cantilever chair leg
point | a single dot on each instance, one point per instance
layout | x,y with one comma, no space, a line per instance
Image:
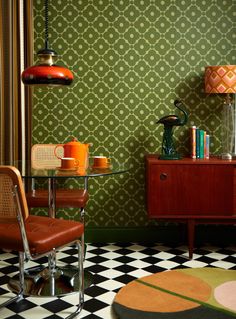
88,277
19,295
82,214
81,281
52,272
52,269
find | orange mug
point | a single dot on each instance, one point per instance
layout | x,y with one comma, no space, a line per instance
101,161
69,163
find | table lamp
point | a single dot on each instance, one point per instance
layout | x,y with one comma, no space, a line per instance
221,79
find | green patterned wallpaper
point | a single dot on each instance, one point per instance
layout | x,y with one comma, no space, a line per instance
131,60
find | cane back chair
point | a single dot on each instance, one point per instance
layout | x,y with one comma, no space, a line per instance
35,236
43,157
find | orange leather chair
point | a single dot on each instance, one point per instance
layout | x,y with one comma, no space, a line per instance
35,236
42,156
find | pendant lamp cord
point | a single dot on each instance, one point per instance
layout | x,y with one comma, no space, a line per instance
46,24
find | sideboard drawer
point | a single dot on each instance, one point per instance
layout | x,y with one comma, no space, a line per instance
174,189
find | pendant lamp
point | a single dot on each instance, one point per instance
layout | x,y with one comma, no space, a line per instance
46,72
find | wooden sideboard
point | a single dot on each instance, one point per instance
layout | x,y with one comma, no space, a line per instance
189,190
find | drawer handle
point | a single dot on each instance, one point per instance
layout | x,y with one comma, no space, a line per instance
163,176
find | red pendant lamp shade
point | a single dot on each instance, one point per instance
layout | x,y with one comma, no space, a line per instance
46,72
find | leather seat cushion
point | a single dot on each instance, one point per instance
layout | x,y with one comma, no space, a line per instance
43,234
76,198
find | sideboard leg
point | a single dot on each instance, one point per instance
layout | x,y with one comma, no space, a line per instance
191,231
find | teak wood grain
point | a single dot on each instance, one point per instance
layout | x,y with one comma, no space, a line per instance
194,191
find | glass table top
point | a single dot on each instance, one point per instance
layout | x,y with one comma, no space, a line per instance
29,172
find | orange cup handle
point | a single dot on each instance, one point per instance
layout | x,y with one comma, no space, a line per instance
55,150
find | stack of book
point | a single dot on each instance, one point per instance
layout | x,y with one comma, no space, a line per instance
200,143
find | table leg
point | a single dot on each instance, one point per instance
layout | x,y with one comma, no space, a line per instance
52,197
86,183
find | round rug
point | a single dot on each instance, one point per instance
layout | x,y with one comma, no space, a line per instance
179,294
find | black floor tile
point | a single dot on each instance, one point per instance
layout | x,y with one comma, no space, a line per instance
94,305
21,306
56,305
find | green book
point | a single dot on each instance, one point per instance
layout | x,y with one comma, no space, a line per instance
197,143
201,144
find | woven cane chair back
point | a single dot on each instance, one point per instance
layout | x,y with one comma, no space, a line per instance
8,210
43,157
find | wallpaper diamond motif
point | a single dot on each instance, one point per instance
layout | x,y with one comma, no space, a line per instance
131,60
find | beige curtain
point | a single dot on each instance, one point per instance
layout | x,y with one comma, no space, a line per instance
16,47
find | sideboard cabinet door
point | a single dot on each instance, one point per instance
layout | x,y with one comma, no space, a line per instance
189,189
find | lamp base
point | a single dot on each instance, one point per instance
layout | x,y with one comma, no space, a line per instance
228,129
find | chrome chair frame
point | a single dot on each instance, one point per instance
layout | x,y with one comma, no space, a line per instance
26,255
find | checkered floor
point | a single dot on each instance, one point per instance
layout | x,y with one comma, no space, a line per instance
113,265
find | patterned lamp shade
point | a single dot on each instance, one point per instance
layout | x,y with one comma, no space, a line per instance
220,79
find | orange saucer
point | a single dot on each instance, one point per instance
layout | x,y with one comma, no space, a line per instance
101,167
67,169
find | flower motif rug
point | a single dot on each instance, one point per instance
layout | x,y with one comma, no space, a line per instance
196,293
